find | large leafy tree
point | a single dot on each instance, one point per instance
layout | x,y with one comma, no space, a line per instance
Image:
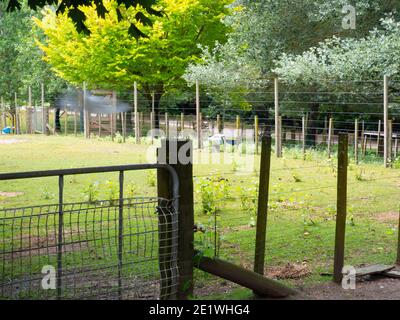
22,62
110,58
268,31
78,15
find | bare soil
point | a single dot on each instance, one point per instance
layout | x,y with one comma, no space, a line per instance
374,288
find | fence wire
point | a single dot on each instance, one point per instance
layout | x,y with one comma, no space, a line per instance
89,250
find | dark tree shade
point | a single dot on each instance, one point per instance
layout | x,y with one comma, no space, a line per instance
78,17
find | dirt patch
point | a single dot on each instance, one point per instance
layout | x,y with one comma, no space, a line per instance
10,194
373,288
387,216
11,141
289,271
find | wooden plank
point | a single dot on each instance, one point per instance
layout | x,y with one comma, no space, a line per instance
373,269
392,274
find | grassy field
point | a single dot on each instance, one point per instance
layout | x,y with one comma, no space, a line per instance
301,220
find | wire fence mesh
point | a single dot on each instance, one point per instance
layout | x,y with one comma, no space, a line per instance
90,250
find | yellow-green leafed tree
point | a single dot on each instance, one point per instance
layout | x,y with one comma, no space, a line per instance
110,58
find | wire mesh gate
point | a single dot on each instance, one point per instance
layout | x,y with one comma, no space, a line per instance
113,249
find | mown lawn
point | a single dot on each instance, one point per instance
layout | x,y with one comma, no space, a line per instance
301,217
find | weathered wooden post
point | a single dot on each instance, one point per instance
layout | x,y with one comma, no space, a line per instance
390,144
356,141
256,127
135,106
330,134
178,154
341,211
66,121
378,140
166,125
44,113
386,121
182,121
218,123
198,120
303,136
262,211
17,125
398,243
278,149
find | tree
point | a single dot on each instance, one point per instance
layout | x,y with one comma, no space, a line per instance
266,30
21,60
78,16
109,58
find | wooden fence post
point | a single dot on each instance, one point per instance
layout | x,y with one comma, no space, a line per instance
303,136
182,121
356,141
170,149
330,134
278,136
166,125
262,211
135,105
256,127
390,140
152,126
378,140
17,125
398,243
66,122
198,120
44,112
341,210
386,120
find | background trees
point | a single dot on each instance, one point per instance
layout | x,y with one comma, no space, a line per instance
109,57
21,60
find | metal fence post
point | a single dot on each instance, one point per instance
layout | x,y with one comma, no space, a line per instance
341,207
178,154
262,212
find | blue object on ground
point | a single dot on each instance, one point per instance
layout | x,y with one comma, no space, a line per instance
6,130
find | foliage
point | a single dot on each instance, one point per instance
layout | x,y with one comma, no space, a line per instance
78,16
110,58
91,192
21,61
212,191
151,178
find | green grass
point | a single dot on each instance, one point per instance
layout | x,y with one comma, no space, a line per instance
302,202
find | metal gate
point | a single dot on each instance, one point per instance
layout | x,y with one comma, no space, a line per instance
109,249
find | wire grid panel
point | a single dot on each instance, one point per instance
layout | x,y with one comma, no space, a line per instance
121,249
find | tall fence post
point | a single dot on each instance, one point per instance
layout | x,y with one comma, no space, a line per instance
135,106
45,117
179,154
262,211
198,120
17,125
278,150
386,120
398,243
86,122
330,134
341,210
378,140
256,128
303,136
356,141
390,141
